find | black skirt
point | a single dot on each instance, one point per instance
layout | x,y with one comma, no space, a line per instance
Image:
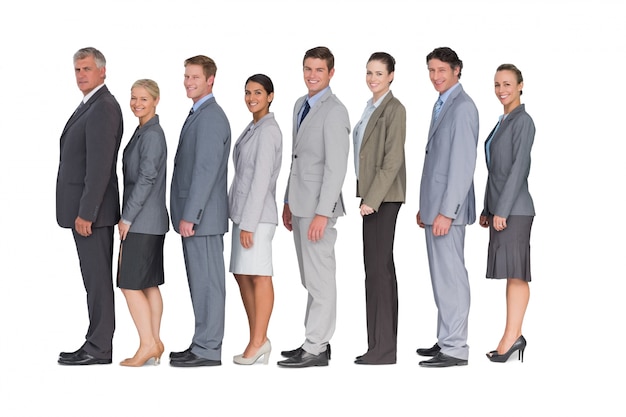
140,262
509,250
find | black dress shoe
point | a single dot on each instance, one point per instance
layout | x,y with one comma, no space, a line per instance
441,360
432,351
67,355
80,357
192,360
296,352
305,360
360,360
176,355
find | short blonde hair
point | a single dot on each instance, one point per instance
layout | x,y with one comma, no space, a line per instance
151,86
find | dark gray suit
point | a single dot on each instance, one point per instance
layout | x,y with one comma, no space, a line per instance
199,195
447,188
144,167
87,187
507,184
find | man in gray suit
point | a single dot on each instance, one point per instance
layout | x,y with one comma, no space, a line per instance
447,205
87,199
199,209
313,201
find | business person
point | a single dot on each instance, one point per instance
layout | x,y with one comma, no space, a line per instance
144,223
257,157
199,210
313,201
87,199
381,184
508,207
447,205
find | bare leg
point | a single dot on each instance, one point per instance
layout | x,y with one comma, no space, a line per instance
140,311
153,294
247,296
517,296
257,293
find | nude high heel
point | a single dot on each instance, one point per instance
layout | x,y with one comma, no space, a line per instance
137,361
264,351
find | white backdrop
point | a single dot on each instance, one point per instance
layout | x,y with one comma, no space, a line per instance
571,55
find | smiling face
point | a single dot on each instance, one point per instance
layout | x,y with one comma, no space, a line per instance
196,83
142,104
378,78
257,100
88,75
508,89
316,75
442,75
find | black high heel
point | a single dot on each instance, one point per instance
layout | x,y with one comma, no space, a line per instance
519,345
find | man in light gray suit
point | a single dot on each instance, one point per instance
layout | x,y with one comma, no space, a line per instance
199,209
313,201
447,206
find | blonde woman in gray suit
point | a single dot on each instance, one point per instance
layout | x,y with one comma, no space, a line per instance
381,184
509,210
257,157
144,223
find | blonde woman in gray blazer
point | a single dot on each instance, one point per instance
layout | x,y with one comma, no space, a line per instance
144,223
257,157
509,210
381,184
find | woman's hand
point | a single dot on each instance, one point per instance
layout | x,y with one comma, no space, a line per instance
499,223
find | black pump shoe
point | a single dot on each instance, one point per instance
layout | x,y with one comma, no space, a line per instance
519,345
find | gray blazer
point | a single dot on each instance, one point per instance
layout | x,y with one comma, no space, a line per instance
87,179
382,169
507,183
257,157
144,167
199,191
319,158
447,185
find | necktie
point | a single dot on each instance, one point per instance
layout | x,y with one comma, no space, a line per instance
437,109
305,111
78,108
188,116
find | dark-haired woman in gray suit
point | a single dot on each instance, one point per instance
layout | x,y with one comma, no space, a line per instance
257,157
509,210
144,223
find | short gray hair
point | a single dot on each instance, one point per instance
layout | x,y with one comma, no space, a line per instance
90,51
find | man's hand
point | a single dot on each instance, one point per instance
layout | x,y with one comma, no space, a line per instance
317,227
82,226
186,228
287,217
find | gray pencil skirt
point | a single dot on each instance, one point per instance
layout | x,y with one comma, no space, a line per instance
256,260
509,250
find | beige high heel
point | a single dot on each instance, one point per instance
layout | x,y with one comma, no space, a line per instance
264,351
137,361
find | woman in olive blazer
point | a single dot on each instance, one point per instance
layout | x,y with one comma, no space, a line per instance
381,184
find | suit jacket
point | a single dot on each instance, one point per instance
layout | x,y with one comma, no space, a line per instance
447,185
507,183
199,191
87,179
382,170
144,167
319,158
257,157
